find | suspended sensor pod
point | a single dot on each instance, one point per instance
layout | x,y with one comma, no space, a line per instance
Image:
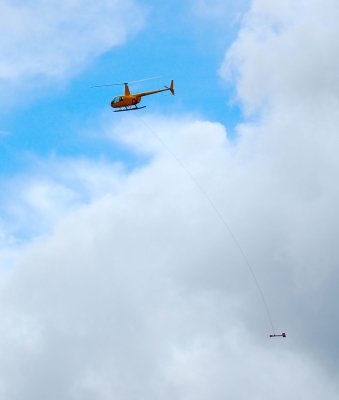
283,334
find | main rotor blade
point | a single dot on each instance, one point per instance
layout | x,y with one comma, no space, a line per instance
126,83
146,79
111,84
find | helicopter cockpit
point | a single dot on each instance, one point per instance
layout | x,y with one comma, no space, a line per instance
117,99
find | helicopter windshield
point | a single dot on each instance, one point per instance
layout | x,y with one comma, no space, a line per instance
117,99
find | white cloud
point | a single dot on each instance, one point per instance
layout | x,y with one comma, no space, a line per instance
285,60
142,293
54,39
287,52
35,202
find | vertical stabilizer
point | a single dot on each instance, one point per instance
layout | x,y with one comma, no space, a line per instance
172,87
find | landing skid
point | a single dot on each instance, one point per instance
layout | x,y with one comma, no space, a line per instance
130,109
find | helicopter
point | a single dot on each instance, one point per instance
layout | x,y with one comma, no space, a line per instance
129,101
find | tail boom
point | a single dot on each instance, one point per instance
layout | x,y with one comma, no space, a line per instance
171,88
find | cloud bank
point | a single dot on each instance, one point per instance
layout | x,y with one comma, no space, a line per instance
141,292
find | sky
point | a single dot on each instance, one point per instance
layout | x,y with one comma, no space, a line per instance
136,247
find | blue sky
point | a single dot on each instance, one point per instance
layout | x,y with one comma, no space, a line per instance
118,279
174,43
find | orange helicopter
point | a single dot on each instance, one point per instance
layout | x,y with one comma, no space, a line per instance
129,101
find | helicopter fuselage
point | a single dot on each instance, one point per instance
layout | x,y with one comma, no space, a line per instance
125,101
